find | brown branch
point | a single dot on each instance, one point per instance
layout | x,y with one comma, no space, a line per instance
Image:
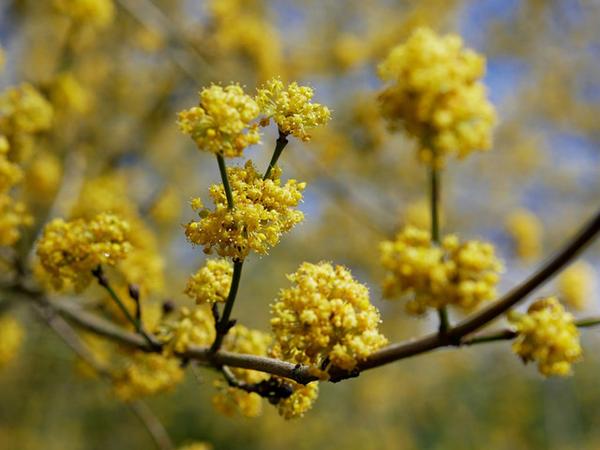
142,411
304,374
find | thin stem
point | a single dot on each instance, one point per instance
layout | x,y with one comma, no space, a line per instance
224,324
588,322
225,179
280,144
104,282
434,188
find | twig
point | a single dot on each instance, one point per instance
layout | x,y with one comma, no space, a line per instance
304,374
63,330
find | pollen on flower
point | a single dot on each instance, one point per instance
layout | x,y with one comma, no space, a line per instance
431,276
69,251
547,335
211,283
222,122
291,108
325,317
191,326
435,95
264,210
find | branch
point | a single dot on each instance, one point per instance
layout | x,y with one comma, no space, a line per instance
304,374
63,330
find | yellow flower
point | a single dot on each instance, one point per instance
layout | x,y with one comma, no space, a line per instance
436,96
24,110
190,327
95,13
527,232
221,123
230,400
454,273
43,177
210,284
301,400
291,109
263,211
13,215
147,374
10,173
577,284
69,251
23,113
547,335
68,95
11,336
325,317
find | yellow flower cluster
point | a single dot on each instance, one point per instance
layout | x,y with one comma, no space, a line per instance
221,123
230,400
23,112
13,213
147,374
453,273
299,402
11,336
69,251
210,284
291,108
436,95
527,231
68,95
95,13
576,284
191,327
263,211
325,317
548,336
43,177
144,264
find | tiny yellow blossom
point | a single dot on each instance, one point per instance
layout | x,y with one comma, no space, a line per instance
68,95
428,275
43,177
436,96
210,284
221,123
291,109
230,400
576,285
93,13
146,374
11,336
326,316
526,231
23,113
69,251
13,216
547,335
191,327
301,400
264,210
10,173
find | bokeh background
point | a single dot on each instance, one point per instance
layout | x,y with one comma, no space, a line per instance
148,62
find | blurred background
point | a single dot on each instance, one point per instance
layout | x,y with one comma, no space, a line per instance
134,63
